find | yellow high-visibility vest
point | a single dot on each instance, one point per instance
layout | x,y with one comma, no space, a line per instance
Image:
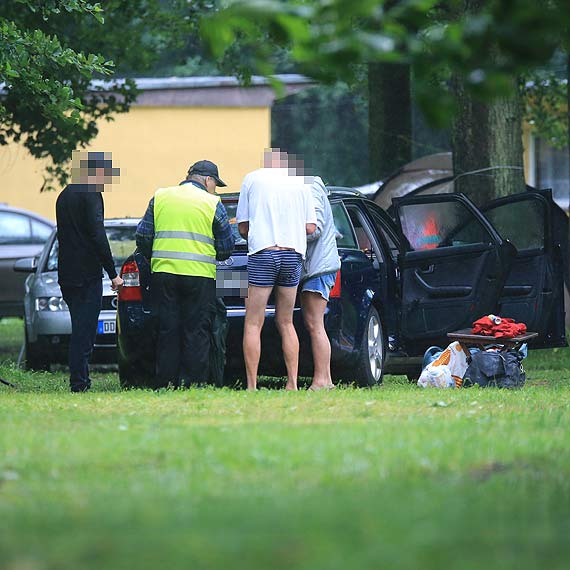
183,238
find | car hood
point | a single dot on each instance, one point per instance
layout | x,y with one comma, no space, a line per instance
46,285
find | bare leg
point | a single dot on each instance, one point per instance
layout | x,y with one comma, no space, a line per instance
313,314
255,304
284,305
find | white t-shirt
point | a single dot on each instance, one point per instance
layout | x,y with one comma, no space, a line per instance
277,206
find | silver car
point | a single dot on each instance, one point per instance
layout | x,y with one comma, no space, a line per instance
47,318
22,234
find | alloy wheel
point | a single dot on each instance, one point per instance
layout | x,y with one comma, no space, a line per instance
375,347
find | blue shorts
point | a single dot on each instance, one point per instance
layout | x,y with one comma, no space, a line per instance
271,267
321,284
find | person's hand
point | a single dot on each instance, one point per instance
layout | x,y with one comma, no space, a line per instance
116,283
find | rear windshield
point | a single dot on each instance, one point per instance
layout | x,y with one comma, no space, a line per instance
231,208
121,239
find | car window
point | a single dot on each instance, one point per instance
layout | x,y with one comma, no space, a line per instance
14,229
121,239
344,234
231,208
40,231
362,237
508,219
379,222
122,242
441,224
51,264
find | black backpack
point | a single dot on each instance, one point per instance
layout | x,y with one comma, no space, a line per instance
495,369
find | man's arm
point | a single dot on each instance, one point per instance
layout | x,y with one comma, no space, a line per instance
243,229
318,203
145,231
223,237
310,214
96,229
242,211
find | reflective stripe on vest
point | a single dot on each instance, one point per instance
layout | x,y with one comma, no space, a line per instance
178,255
183,240
184,235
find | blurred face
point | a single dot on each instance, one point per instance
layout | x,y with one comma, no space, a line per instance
275,159
96,177
93,177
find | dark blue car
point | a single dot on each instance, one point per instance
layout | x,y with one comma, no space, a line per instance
404,283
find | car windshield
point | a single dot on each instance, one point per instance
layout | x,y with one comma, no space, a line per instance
121,239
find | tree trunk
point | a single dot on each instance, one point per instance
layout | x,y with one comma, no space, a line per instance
390,118
487,138
470,144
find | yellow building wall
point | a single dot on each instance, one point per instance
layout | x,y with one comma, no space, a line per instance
154,146
527,150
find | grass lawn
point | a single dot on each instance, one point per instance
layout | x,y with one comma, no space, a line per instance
393,477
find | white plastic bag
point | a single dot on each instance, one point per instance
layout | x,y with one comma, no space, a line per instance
436,377
447,370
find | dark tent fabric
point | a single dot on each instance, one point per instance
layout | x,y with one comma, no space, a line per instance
415,174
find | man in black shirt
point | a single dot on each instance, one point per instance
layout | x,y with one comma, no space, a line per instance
84,252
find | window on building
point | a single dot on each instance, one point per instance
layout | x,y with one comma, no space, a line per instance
552,171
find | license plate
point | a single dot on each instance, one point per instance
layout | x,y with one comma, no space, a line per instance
106,327
231,283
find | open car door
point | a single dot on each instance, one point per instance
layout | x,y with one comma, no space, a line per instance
534,291
453,269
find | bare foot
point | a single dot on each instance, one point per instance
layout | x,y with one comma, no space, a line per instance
316,387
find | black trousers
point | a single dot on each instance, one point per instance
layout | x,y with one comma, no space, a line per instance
84,306
186,307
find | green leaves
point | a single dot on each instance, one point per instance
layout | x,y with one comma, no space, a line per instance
40,106
487,45
50,51
546,102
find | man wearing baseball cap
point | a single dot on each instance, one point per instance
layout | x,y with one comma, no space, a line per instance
184,231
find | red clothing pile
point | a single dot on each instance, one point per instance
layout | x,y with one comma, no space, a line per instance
499,327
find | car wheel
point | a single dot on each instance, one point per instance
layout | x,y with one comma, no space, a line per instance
35,359
372,351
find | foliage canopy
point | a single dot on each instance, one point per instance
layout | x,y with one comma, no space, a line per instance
50,54
328,37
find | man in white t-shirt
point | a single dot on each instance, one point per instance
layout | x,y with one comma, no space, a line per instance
275,213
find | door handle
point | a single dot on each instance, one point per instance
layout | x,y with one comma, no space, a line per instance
426,269
443,290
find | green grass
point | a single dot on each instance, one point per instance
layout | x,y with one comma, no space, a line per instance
394,477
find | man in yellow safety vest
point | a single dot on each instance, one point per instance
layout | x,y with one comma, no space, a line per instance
184,231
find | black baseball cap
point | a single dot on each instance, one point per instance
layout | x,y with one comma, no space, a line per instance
207,168
96,160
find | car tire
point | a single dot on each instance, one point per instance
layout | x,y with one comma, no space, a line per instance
372,355
35,359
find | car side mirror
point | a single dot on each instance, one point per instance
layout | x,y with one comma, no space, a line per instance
26,265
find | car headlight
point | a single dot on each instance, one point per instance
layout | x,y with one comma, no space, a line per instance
51,304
